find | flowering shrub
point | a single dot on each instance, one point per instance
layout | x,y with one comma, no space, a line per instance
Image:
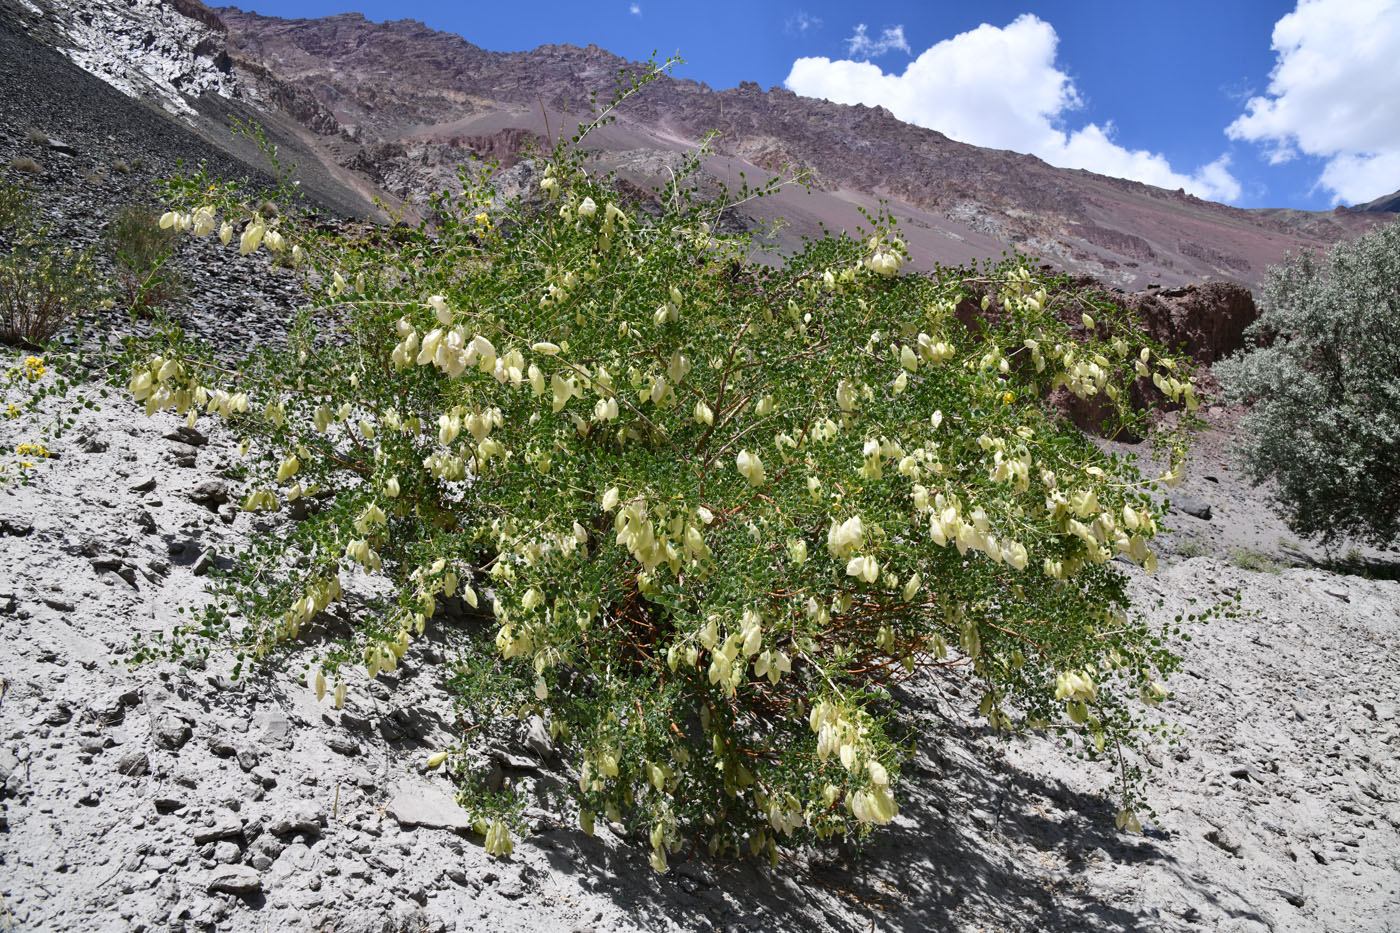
716,510
1325,390
23,387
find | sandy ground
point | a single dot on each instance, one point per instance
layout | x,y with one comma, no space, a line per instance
168,797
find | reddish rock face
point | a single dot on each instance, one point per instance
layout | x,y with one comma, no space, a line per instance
1207,322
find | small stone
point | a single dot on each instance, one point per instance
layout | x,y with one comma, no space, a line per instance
15,527
537,738
185,434
343,745
211,494
57,603
168,804
1226,840
204,562
1193,507
172,733
133,764
145,485
273,729
307,820
234,879
227,853
107,562
223,826
221,748
59,714
421,805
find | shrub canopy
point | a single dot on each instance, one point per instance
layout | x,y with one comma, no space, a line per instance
1323,380
717,509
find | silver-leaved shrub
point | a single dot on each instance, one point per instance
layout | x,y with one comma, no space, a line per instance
1323,381
712,511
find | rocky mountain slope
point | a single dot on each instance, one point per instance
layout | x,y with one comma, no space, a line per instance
393,108
954,197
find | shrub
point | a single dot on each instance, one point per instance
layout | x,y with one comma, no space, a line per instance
718,510
26,165
41,284
1322,378
1254,561
140,250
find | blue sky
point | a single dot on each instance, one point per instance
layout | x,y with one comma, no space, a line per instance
1259,104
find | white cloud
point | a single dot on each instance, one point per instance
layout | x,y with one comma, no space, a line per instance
891,39
800,22
1332,94
635,9
1000,87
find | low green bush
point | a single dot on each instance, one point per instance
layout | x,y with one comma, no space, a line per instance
716,510
140,251
42,285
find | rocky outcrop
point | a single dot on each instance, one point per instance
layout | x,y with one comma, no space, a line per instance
1206,322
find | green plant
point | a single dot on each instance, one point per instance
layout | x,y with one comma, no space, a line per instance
140,250
1324,387
1192,547
1254,561
28,390
717,509
41,285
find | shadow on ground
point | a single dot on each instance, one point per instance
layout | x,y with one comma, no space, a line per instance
977,839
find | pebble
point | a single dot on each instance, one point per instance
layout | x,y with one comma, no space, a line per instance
414,805
171,733
234,879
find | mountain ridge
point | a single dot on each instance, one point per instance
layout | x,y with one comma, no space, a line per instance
391,109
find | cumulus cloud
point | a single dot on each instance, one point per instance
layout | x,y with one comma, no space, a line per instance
1000,87
635,9
1332,95
892,39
